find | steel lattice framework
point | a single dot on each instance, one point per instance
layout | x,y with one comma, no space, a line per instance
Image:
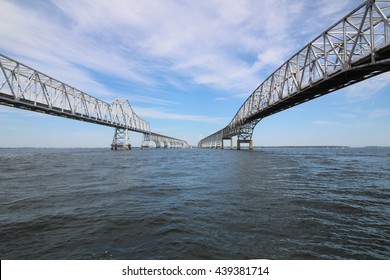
159,139
25,88
354,49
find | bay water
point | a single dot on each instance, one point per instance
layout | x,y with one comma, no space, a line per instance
270,203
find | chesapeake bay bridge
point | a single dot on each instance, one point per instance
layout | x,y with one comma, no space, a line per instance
25,88
354,49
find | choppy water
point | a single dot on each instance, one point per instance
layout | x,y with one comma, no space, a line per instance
274,203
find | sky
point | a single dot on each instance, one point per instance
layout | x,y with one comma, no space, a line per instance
185,66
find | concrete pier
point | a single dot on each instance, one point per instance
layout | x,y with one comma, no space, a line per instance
239,142
123,146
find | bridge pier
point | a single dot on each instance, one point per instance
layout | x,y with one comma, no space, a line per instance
240,141
124,146
231,143
121,139
245,134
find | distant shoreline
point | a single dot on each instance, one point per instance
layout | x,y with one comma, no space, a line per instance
256,147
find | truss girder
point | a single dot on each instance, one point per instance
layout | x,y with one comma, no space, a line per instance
26,88
354,49
215,140
168,142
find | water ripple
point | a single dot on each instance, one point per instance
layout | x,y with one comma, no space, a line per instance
272,203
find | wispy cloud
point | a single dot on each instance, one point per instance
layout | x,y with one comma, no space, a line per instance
378,113
333,8
348,116
53,47
325,11
221,44
367,89
152,100
158,113
327,123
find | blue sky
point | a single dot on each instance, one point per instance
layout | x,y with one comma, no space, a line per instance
185,66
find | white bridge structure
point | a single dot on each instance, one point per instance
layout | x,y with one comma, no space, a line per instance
25,88
354,49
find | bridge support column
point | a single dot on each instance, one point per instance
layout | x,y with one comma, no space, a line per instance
230,145
245,134
121,139
239,142
146,143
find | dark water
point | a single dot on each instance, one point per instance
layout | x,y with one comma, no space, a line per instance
273,203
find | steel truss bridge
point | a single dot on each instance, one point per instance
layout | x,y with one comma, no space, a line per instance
25,88
354,49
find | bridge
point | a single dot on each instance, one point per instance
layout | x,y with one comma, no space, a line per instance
354,49
25,88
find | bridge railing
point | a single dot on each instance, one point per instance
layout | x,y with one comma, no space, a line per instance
26,88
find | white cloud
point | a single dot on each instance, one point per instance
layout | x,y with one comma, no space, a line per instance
327,123
202,40
274,57
348,116
224,44
60,51
158,113
331,8
151,100
367,89
378,113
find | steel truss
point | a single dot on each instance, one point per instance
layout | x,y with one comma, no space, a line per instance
160,140
121,139
354,49
25,88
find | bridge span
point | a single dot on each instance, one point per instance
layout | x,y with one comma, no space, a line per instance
25,88
354,49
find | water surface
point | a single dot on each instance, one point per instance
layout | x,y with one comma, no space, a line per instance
272,203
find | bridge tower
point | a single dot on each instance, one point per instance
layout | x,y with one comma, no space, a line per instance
121,139
245,134
146,143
